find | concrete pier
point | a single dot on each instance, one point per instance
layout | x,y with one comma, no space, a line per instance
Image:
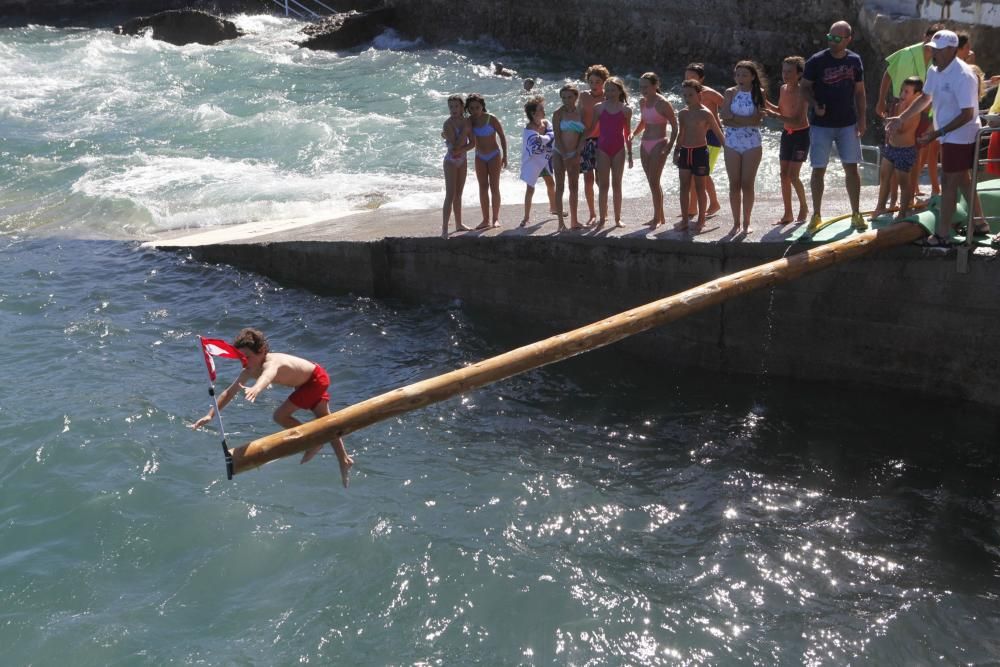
905,318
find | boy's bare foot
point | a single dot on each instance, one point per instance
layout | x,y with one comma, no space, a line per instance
747,230
697,227
653,224
523,223
575,226
785,219
712,210
735,230
310,453
462,228
562,227
444,234
483,225
590,221
600,224
496,223
618,223
803,214
345,469
877,213
682,226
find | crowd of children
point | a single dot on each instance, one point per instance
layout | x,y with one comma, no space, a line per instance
592,132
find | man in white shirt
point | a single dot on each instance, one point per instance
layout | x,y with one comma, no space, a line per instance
953,90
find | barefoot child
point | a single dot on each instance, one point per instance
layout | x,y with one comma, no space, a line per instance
595,76
536,155
691,155
456,167
900,154
613,119
568,130
309,380
742,111
490,157
792,111
711,99
655,112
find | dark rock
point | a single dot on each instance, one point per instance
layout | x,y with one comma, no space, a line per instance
182,26
347,30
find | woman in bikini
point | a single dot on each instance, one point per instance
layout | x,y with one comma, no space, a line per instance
567,123
742,111
614,142
490,157
655,112
456,167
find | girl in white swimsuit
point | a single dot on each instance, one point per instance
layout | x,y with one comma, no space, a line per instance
742,111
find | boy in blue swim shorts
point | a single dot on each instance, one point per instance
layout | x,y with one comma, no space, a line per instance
900,154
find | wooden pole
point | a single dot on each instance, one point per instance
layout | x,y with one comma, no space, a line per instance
563,346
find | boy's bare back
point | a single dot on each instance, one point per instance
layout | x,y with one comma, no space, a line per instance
289,370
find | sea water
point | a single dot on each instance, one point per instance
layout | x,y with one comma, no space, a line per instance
596,512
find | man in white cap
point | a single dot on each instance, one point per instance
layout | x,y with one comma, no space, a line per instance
953,90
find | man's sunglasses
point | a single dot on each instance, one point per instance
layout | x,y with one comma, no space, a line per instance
836,39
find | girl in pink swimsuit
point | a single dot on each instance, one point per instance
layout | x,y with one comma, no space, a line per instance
456,167
654,114
614,142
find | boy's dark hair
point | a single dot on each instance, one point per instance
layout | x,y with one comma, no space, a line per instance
963,38
697,68
798,61
475,97
914,82
531,106
599,70
253,340
933,28
456,98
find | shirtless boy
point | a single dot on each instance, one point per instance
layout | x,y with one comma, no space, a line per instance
595,75
900,153
711,99
309,380
691,155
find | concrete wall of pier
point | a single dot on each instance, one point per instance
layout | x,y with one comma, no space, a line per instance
900,319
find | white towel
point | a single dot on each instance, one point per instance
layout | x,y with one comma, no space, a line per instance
536,153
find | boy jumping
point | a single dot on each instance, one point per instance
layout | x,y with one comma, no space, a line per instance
309,380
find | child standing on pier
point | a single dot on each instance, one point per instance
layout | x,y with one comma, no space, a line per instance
456,167
742,111
792,111
899,154
613,120
309,380
491,157
655,113
536,155
691,155
568,130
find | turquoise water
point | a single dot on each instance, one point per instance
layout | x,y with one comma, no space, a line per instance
595,512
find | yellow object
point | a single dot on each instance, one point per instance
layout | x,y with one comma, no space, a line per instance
858,222
815,224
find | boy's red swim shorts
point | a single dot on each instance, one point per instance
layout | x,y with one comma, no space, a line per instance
309,395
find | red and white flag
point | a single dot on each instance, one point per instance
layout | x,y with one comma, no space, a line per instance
213,347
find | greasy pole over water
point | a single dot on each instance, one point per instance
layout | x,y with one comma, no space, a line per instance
563,346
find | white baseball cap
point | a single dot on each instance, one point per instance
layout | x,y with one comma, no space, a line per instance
943,39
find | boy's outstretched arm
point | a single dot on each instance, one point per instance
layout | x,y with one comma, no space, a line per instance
223,399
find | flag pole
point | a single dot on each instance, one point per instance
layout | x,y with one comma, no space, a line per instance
218,413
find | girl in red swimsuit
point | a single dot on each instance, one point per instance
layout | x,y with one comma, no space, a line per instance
614,142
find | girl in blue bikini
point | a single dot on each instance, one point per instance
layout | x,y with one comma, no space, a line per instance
568,125
490,157
456,167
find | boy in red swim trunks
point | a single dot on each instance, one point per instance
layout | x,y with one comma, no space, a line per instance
310,381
